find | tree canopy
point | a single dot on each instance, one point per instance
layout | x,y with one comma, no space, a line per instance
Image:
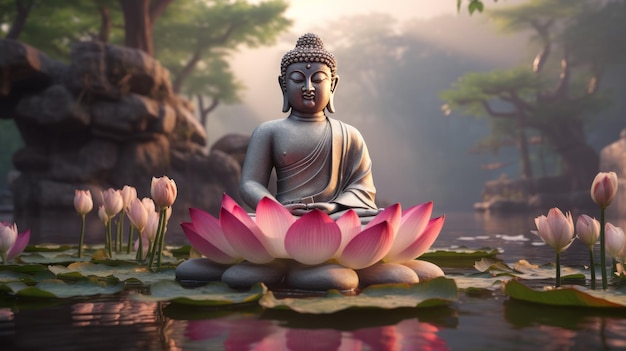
558,93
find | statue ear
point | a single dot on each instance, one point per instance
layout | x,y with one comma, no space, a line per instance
331,102
286,106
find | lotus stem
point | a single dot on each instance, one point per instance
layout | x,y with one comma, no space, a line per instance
139,255
603,249
158,244
593,269
81,241
118,237
130,239
109,240
558,270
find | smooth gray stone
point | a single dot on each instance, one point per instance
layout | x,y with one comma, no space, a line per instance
199,271
322,277
386,273
425,270
245,274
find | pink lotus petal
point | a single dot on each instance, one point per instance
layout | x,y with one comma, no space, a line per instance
421,244
412,224
350,225
313,238
208,227
228,203
242,239
204,247
391,214
20,244
274,220
367,248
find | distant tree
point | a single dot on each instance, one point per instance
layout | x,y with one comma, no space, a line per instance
194,38
556,96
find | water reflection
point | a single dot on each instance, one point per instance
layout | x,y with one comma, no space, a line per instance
275,330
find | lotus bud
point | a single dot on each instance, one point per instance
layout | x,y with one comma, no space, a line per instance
587,230
112,201
163,191
128,194
604,188
556,230
137,214
615,240
83,203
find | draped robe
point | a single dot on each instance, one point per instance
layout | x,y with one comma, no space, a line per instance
342,156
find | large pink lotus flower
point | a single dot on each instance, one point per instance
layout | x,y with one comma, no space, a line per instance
314,238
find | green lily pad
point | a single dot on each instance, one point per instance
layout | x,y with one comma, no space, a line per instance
480,281
212,294
526,270
437,292
566,296
458,258
50,257
123,271
55,288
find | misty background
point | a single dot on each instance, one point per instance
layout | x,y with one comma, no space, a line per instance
392,69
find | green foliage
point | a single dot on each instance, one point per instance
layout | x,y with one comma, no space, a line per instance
192,38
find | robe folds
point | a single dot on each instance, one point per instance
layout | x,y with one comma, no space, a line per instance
341,152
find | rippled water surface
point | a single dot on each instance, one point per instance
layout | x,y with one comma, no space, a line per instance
477,321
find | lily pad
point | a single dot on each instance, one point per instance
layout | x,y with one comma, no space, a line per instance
458,258
212,294
437,292
123,271
566,296
55,288
526,270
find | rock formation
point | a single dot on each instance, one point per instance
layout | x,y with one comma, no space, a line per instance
109,118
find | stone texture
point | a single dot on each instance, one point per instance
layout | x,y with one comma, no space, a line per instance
245,274
425,270
199,271
386,273
109,118
321,278
613,158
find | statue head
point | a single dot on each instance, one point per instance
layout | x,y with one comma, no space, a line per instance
309,51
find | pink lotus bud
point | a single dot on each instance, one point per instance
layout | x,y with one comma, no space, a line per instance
587,230
163,191
615,240
137,214
148,204
556,230
8,235
102,214
112,201
152,226
128,194
83,203
604,188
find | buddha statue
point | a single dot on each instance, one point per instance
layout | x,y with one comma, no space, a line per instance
320,163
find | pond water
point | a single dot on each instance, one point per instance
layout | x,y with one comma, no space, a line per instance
485,320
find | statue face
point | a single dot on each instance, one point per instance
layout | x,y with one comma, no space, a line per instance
308,86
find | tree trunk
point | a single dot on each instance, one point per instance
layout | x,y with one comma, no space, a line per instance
23,9
105,24
580,161
137,26
522,144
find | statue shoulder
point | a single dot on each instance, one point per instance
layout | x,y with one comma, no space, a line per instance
350,129
268,128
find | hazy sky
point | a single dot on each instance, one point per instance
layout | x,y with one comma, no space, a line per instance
257,68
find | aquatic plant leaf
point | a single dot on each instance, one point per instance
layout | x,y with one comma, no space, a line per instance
566,296
212,294
23,268
10,276
123,271
526,270
458,258
51,257
480,281
55,288
437,292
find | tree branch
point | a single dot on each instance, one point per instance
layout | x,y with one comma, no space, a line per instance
204,112
497,114
23,8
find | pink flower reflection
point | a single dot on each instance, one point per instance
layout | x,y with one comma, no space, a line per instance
313,339
407,335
